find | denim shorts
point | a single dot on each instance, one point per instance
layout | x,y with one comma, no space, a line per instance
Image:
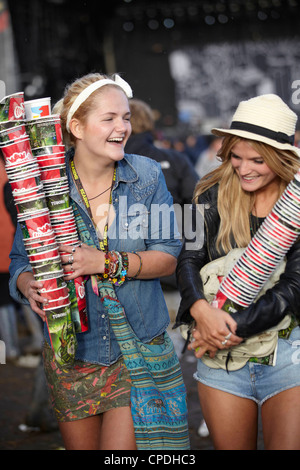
255,381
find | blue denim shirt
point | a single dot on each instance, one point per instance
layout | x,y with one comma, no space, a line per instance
144,221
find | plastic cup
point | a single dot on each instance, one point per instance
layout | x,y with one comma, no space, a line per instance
274,218
31,205
51,160
256,265
12,107
44,255
38,108
58,201
13,133
18,153
53,282
44,132
232,296
59,302
36,226
245,276
254,275
41,249
22,169
267,251
60,290
55,294
40,241
49,173
48,150
62,334
8,124
22,185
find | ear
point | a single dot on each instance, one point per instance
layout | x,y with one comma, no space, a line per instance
76,128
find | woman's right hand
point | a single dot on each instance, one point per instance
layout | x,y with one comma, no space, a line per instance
30,289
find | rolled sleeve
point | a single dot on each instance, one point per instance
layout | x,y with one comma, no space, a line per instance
163,230
19,264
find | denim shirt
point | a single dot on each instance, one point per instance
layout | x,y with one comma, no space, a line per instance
140,199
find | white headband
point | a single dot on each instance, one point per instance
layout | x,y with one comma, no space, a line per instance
83,96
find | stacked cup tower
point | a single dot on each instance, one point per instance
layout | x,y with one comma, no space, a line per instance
34,154
268,247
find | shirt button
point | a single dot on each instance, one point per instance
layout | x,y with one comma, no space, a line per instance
126,224
104,337
103,316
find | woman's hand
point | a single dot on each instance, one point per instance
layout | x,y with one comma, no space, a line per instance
30,289
81,261
199,346
216,328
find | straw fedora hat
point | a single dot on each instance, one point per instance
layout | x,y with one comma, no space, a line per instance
265,118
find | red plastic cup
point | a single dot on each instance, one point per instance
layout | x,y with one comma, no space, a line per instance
12,134
12,107
18,153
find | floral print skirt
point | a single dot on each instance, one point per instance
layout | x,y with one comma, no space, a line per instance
85,389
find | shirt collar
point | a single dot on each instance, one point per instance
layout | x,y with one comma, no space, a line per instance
125,173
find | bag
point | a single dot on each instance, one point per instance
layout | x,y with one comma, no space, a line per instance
158,396
258,346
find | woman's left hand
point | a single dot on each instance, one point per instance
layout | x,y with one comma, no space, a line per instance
81,261
199,346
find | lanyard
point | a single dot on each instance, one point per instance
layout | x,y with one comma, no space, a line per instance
104,242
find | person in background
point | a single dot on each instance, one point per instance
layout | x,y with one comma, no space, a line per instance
179,173
208,159
8,316
235,379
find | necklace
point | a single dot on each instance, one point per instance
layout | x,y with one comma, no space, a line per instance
92,198
104,241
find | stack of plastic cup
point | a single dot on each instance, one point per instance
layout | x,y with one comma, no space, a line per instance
33,215
46,143
268,247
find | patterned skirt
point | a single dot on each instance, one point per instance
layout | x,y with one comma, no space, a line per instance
85,389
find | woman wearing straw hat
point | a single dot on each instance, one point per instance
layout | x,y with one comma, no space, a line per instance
122,256
239,367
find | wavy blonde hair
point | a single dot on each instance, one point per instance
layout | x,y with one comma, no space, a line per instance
235,204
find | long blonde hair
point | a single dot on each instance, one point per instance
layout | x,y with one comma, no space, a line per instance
235,204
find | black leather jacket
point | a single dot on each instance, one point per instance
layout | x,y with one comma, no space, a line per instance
268,311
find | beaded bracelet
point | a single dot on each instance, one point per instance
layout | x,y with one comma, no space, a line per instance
117,273
125,262
121,273
140,267
111,264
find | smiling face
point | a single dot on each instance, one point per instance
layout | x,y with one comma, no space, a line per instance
254,174
107,126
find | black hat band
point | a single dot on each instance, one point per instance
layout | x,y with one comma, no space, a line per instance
280,137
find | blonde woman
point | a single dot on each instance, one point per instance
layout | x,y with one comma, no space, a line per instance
258,161
112,194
